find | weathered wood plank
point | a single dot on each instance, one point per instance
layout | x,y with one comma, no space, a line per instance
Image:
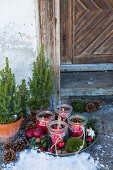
92,59
103,4
86,91
110,2
89,4
81,23
85,31
66,29
86,67
93,34
50,36
92,24
37,25
100,40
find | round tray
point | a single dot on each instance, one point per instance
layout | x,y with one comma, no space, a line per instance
66,154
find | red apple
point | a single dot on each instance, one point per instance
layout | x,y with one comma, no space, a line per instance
43,126
51,150
41,148
37,132
29,133
61,144
89,139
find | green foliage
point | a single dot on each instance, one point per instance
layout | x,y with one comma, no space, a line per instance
91,123
74,144
78,106
45,143
38,104
9,97
33,143
41,83
24,97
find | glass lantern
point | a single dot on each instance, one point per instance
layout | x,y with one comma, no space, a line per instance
64,111
76,125
43,118
57,130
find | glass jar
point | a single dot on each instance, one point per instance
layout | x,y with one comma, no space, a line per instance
57,130
76,125
43,118
64,111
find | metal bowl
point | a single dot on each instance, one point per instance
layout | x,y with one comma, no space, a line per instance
66,154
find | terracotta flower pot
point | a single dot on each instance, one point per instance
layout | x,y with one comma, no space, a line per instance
9,131
25,121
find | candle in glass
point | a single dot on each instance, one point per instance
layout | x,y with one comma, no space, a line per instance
64,111
77,130
43,118
57,130
76,124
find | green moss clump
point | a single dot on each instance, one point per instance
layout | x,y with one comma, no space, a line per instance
74,144
78,106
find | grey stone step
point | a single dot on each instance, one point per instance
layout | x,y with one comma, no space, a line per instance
87,83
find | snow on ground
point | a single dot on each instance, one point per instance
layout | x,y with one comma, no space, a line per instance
31,160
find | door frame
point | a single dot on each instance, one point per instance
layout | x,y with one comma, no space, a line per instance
49,26
49,17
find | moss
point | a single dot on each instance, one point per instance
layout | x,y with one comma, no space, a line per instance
78,106
73,144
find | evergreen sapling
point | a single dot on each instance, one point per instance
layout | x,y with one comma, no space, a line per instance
24,97
9,97
41,83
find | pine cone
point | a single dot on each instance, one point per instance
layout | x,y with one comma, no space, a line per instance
90,107
33,113
8,146
97,105
19,145
30,125
9,156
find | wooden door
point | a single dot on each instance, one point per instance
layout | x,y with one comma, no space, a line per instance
86,31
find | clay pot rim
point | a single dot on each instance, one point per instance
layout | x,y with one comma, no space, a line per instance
13,122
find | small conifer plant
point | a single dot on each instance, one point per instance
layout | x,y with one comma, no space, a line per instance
9,97
41,83
24,97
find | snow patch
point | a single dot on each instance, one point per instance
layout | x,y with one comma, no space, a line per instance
30,159
90,82
98,147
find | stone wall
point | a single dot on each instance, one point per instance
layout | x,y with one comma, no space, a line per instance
18,36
